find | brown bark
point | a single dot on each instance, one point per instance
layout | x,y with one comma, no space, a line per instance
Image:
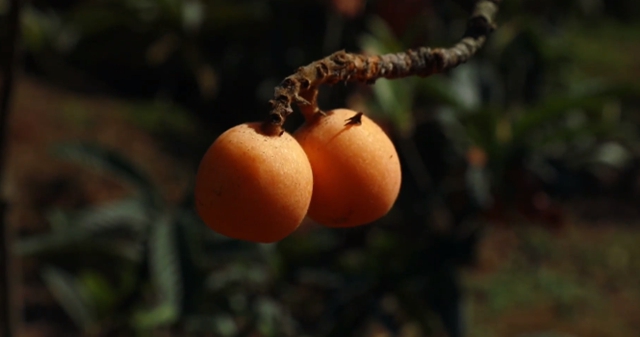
301,88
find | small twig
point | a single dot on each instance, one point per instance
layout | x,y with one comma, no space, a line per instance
6,272
301,88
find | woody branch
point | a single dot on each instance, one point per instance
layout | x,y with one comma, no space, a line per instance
301,88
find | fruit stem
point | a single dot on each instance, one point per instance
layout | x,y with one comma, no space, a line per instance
301,88
355,120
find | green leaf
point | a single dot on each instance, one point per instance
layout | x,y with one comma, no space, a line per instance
191,267
91,228
382,40
108,161
221,15
164,260
163,314
162,117
481,127
59,220
438,89
221,324
270,316
554,108
128,214
39,28
97,288
166,276
94,19
49,242
77,242
395,101
575,135
250,274
68,292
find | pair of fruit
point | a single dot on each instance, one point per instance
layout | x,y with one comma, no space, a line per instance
340,169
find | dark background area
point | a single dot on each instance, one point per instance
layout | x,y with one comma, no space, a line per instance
519,209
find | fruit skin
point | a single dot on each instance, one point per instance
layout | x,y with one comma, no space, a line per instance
253,186
356,170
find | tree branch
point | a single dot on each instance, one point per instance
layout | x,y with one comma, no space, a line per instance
301,88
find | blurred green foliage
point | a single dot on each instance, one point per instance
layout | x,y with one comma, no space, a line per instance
139,264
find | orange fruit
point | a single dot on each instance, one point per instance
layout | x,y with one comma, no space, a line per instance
356,169
253,186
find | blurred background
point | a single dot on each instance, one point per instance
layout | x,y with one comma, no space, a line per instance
519,210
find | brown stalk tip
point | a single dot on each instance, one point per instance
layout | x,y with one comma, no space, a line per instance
272,127
355,120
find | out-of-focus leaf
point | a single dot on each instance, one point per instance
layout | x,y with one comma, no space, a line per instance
479,185
164,262
481,127
438,89
319,278
556,107
222,324
89,227
192,15
253,275
161,315
98,290
68,292
97,18
166,275
35,30
395,98
547,334
567,136
170,9
310,245
193,273
612,154
48,242
105,160
464,87
223,14
381,40
59,220
195,234
213,248
606,51
129,214
125,249
78,242
270,317
162,117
